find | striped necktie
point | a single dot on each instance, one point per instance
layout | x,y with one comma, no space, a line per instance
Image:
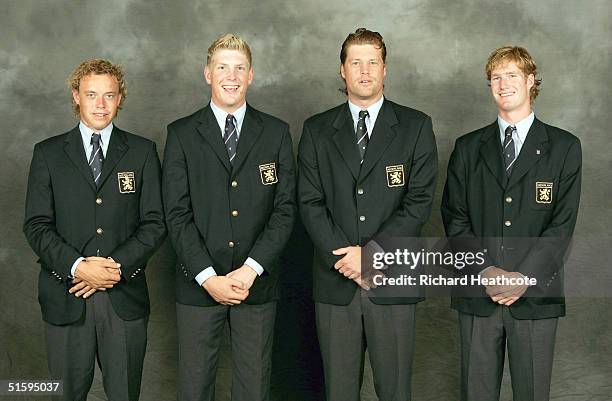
509,151
362,134
230,137
97,158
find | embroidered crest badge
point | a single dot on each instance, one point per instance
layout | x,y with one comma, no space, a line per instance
395,176
268,173
127,184
544,192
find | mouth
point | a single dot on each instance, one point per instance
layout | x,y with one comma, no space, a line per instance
100,115
365,82
230,88
506,94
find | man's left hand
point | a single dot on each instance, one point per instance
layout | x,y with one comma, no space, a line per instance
350,264
246,274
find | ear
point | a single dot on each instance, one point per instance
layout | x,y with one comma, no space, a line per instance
251,73
75,96
208,75
384,70
342,73
530,81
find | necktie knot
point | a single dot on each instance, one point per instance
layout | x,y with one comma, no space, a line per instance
95,138
363,114
509,130
230,137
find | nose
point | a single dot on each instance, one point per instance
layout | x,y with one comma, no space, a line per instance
365,69
100,102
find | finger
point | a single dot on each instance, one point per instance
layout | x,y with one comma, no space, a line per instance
82,291
341,251
89,293
77,287
237,283
339,264
76,280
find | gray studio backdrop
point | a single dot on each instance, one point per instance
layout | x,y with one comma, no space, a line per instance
436,53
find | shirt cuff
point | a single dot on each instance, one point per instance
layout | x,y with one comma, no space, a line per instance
205,275
74,266
484,270
255,266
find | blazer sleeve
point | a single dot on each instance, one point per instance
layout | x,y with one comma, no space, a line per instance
39,225
134,253
546,257
184,234
414,210
271,241
325,234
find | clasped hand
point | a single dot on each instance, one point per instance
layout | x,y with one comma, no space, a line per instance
93,274
233,288
504,294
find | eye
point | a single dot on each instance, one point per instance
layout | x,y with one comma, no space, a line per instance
373,62
495,79
90,95
110,95
220,67
241,68
355,63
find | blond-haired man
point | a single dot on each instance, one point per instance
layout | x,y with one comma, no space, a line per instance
229,189
514,185
94,217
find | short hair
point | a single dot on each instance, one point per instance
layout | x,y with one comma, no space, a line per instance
523,60
96,67
362,36
229,41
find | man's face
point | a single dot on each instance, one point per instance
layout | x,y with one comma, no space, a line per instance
229,76
98,98
364,73
510,88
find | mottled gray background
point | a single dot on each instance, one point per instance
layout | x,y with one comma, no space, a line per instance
437,50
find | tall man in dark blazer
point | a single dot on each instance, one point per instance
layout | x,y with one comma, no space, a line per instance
229,192
515,186
367,169
94,217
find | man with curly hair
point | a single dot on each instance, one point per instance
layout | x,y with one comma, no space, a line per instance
94,217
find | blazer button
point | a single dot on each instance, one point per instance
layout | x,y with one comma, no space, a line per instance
235,213
230,244
508,199
507,223
99,231
234,184
360,191
362,218
99,201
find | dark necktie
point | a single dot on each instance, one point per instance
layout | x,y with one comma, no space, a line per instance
97,158
230,137
509,152
362,133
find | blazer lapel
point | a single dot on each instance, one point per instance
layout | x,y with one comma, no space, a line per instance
73,146
381,137
346,140
115,151
536,145
210,131
251,129
490,151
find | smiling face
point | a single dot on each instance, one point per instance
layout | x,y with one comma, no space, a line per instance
364,73
510,89
98,98
229,75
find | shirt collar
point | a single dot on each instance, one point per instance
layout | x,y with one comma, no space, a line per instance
522,127
86,133
221,116
372,110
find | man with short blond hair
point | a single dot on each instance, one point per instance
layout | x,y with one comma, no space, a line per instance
349,197
94,217
513,186
229,194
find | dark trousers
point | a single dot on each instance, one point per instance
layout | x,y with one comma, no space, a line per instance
387,331
200,333
118,345
530,345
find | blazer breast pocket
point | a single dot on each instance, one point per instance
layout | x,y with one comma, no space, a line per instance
542,191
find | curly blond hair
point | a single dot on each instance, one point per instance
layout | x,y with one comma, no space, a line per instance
96,67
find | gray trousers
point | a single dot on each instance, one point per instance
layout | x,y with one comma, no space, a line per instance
200,333
388,332
118,345
530,345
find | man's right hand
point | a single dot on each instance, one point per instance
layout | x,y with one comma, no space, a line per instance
98,272
226,290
